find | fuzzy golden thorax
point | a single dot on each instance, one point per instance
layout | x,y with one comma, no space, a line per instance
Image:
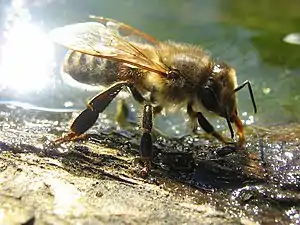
188,67
194,79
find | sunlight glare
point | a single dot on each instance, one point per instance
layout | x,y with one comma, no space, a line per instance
27,57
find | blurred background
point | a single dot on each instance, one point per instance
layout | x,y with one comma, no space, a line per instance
259,38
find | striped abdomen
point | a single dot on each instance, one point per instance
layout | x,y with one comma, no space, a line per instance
89,69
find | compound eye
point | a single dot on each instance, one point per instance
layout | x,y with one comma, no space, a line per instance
209,99
173,74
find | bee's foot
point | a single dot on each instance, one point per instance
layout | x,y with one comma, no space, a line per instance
145,171
145,164
226,150
71,137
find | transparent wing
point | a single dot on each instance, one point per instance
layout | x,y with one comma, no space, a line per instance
126,31
105,41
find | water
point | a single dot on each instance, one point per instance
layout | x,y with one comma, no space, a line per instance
249,36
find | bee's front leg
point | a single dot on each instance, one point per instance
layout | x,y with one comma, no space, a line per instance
240,130
87,118
206,126
146,140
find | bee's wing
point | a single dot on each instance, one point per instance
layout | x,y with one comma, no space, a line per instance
126,31
104,41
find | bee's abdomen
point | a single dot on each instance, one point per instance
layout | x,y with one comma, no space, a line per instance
89,69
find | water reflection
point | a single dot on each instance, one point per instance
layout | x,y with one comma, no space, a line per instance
293,38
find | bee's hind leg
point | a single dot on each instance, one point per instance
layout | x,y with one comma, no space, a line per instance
87,118
80,125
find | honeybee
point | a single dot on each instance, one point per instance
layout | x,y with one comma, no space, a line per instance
159,74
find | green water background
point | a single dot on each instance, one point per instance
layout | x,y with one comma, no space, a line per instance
246,34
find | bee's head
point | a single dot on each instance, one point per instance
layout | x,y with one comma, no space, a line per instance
218,93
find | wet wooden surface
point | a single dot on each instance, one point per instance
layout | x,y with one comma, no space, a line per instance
96,181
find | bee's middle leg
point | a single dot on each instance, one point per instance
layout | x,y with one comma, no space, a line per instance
146,140
140,99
